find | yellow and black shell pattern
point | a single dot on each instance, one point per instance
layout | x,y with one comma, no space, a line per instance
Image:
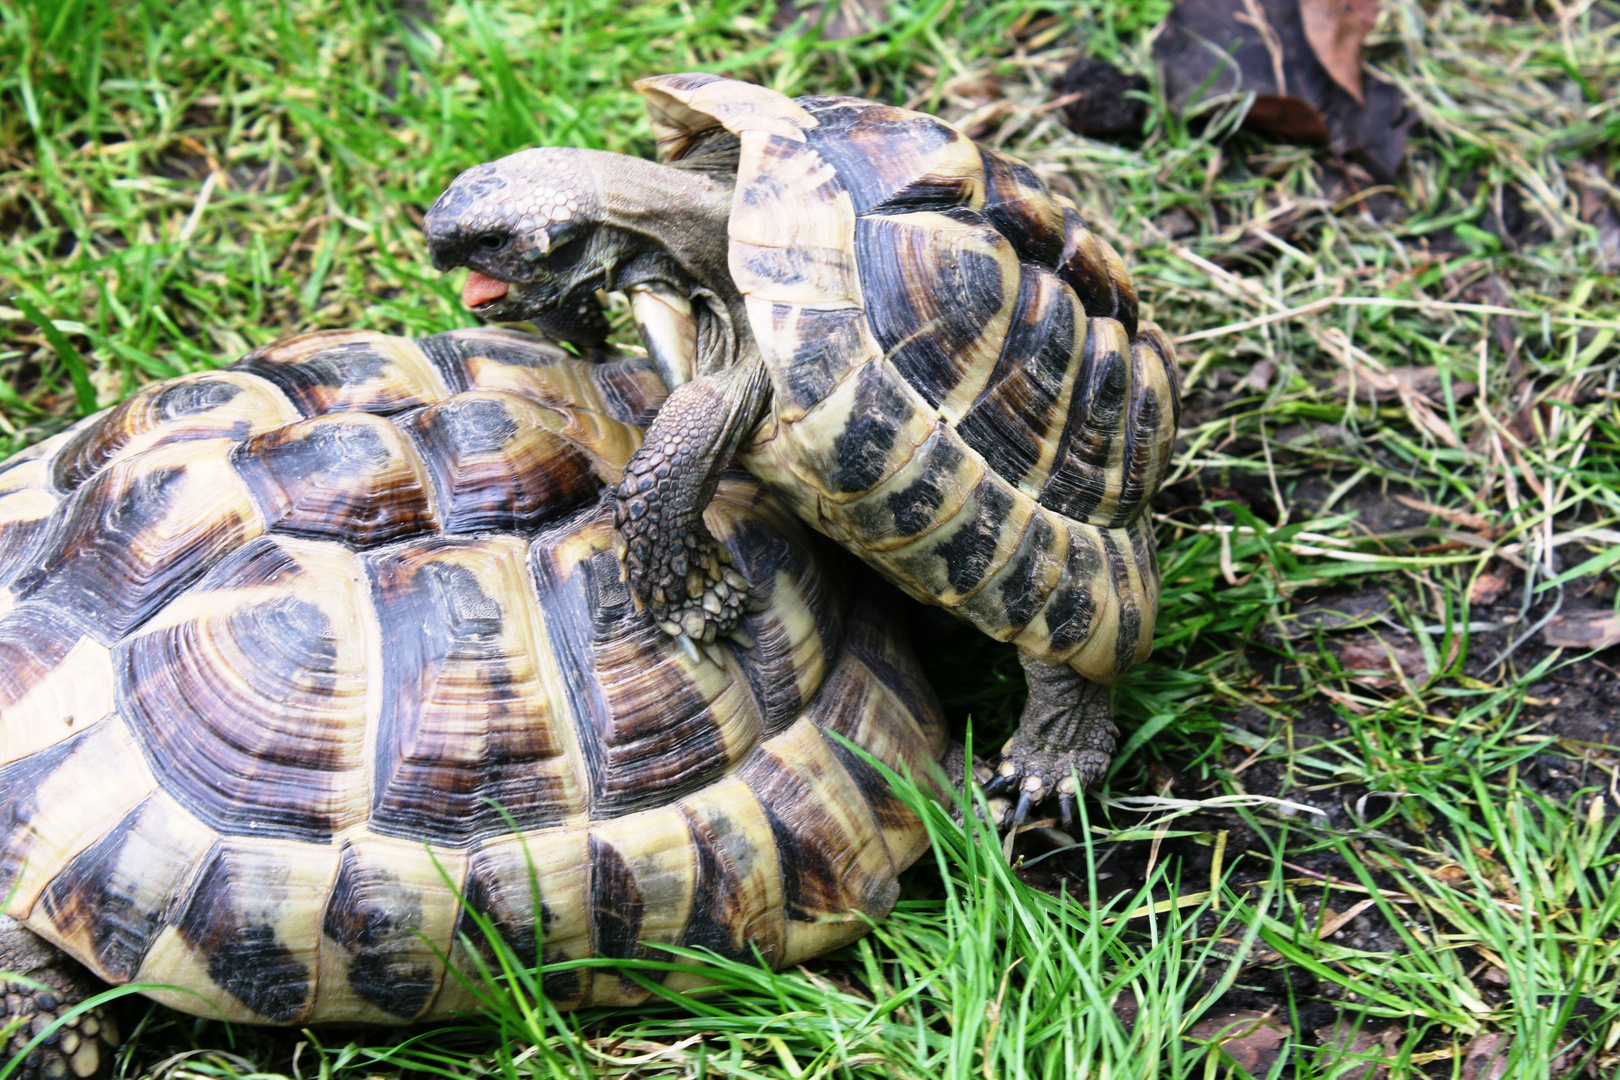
310,665
963,393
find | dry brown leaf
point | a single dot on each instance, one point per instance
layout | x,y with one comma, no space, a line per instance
1583,630
1344,1040
1490,585
1372,655
1335,29
1251,1039
1218,48
1486,1057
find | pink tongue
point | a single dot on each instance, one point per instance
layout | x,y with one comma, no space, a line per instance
481,289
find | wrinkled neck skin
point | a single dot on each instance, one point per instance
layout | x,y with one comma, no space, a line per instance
672,223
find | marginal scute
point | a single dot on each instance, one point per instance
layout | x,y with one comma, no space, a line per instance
643,873
45,818
55,680
1018,420
685,105
250,929
202,405
348,370
1087,473
385,931
737,896
835,866
531,894
109,903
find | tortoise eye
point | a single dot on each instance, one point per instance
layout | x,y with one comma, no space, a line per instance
493,241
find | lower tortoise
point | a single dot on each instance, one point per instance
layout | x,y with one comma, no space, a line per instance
917,345
309,663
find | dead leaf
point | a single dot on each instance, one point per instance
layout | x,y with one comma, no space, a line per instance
1368,656
1343,1041
1217,48
1490,585
1101,101
1335,29
1582,630
1253,1040
1486,1057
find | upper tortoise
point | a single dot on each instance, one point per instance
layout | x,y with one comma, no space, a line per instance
309,664
915,343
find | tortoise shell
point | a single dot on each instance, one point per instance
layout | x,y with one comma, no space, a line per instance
963,392
309,663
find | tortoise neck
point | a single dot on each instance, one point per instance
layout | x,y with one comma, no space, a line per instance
669,211
674,225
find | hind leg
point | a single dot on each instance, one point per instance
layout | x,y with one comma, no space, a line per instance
1064,741
83,1047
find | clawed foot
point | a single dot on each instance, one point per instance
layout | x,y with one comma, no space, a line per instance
682,577
1064,742
1033,777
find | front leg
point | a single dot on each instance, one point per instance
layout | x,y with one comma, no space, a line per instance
1067,732
83,1047
676,569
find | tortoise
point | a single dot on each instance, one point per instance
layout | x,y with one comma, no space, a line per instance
907,336
311,666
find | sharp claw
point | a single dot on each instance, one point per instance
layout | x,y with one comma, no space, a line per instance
1021,812
716,657
1000,783
1066,809
689,648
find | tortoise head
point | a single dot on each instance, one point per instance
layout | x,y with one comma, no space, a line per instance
543,230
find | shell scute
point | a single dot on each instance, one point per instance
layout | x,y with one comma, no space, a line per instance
893,161
1087,473
138,534
348,370
350,477
1021,208
112,900
940,292
203,405
497,465
835,866
55,680
468,737
250,927
1018,420
653,723
248,695
384,932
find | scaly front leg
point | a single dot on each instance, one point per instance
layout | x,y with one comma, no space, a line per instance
676,569
80,1049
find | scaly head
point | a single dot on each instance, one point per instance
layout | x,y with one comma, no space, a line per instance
543,230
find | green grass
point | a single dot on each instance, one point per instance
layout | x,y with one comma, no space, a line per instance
182,181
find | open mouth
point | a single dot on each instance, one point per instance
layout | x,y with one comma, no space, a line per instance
482,292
